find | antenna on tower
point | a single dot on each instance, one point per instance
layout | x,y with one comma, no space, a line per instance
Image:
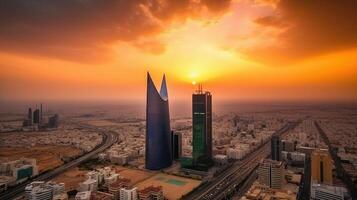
199,89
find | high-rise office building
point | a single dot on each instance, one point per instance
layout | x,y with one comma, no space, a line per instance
276,148
29,117
271,173
202,129
36,116
176,144
41,114
321,166
53,121
158,150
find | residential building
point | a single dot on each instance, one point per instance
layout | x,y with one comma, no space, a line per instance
271,173
129,193
115,187
151,193
40,190
86,195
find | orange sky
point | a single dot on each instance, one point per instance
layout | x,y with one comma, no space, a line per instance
240,50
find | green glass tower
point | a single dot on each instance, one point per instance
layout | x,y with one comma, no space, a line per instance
202,130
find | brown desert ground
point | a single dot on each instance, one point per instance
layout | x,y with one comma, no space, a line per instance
47,157
173,186
71,178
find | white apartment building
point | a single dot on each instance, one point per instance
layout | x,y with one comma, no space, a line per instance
128,194
83,195
40,190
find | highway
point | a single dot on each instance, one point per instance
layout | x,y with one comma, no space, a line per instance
109,138
223,184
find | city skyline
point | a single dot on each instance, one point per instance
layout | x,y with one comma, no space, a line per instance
178,99
241,50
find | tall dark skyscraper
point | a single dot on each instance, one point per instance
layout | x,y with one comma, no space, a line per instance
41,114
276,148
176,144
202,129
158,150
29,116
36,116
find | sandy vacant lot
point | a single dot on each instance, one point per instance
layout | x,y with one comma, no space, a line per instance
71,178
135,175
47,157
101,123
174,187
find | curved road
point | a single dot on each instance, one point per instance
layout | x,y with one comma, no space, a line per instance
109,138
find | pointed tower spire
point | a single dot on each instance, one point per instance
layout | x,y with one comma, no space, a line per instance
163,90
158,148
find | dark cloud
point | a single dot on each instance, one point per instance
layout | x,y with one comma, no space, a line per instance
273,21
82,28
312,28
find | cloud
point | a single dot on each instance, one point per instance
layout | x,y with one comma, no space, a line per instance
309,28
152,46
83,29
273,21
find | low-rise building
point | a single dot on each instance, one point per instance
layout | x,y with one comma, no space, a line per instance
151,193
101,196
40,190
220,159
129,193
114,188
327,192
85,195
89,185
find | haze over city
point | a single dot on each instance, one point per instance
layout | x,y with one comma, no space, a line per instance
178,99
242,50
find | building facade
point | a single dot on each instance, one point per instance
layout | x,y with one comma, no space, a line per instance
151,193
271,173
36,116
40,190
276,148
158,150
176,145
327,192
202,130
321,166
128,193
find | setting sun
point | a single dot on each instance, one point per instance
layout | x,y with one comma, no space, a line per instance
249,48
